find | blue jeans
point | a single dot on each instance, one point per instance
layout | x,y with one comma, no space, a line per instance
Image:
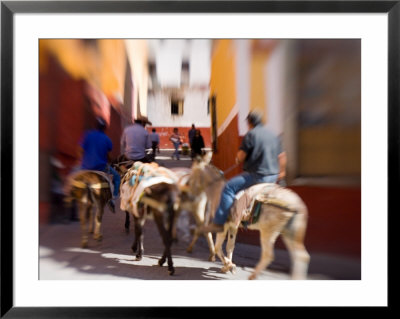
235,185
176,152
116,179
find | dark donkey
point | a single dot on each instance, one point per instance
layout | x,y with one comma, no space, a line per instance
90,190
146,189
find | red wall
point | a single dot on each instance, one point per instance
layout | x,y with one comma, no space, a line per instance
334,224
227,146
65,113
166,132
61,120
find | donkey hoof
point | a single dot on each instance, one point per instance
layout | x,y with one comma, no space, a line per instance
84,244
233,269
189,250
225,269
161,262
211,258
98,237
252,277
138,258
171,271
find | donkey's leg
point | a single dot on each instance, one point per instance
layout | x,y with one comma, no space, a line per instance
211,247
170,239
230,245
127,222
97,222
220,237
191,245
267,239
83,207
136,235
294,241
198,215
206,217
167,240
89,217
137,246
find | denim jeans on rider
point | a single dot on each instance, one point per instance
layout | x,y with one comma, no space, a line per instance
116,179
235,185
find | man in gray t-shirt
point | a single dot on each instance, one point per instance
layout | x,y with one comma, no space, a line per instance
135,140
262,150
264,162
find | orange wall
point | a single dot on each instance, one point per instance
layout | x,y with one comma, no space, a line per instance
258,82
101,62
223,86
223,79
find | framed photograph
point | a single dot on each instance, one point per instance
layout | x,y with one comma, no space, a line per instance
369,28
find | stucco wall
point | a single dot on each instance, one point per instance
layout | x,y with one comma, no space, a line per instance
194,109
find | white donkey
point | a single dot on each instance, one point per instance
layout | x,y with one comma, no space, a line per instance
197,206
269,208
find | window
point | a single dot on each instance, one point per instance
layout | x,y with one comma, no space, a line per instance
176,107
185,76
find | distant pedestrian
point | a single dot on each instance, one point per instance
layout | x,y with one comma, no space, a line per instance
198,144
191,134
176,140
155,142
135,140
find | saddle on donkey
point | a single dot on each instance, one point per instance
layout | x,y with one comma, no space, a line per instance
247,207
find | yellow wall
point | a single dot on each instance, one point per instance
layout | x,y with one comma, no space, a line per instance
223,78
258,82
101,64
113,66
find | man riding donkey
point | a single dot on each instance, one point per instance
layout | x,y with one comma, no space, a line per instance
94,151
135,140
263,160
90,184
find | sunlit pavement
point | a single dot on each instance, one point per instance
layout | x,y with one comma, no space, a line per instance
62,258
112,259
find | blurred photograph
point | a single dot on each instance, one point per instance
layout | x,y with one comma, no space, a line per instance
200,159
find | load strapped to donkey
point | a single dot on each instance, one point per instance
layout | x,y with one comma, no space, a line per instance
145,188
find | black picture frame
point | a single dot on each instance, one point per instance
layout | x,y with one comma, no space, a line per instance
9,8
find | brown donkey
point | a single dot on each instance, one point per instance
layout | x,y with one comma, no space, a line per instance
91,190
269,208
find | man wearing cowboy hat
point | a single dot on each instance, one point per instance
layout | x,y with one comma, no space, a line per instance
135,140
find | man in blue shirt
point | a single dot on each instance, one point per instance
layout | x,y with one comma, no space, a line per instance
95,146
264,162
135,140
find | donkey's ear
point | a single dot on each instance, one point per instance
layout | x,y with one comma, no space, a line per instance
207,157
